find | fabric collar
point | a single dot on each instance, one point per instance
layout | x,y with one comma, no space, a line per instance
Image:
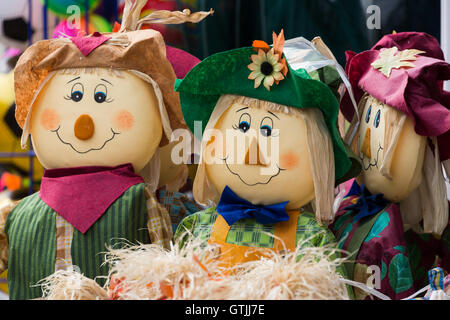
367,204
233,208
81,195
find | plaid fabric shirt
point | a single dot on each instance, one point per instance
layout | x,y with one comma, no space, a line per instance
177,204
248,232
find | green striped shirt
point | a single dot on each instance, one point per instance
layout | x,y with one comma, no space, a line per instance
31,231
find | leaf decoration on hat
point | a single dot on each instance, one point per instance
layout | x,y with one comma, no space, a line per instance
393,59
268,66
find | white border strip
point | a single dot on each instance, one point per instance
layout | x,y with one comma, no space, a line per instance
445,33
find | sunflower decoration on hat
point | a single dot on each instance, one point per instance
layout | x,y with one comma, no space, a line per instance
268,66
269,149
398,202
97,108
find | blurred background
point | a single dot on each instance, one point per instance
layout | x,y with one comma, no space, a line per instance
343,25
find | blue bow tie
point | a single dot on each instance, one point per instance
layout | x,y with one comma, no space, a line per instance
367,203
233,208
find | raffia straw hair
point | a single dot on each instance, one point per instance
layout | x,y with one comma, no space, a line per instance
132,11
320,152
286,277
150,272
92,70
71,285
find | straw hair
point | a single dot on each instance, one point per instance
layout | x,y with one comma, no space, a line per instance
322,164
71,285
6,206
191,272
429,201
319,145
395,120
174,17
132,11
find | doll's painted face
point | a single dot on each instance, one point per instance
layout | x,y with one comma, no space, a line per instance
377,122
273,164
95,119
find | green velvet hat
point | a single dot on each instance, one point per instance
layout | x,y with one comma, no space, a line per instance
228,73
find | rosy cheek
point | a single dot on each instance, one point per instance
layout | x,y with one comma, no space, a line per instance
50,119
289,160
123,120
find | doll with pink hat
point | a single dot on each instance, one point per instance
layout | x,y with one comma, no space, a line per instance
394,221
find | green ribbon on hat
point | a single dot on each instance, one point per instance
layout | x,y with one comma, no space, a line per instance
227,73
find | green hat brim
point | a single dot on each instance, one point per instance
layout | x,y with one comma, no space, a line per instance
227,73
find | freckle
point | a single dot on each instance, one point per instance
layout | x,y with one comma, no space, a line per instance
289,160
50,119
124,120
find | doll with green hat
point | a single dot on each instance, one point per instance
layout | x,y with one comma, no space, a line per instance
270,153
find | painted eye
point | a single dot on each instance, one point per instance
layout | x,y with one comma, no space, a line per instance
266,131
245,122
266,127
100,93
244,126
376,122
368,114
77,92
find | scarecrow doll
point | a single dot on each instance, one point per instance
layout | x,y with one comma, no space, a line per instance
395,217
97,108
271,153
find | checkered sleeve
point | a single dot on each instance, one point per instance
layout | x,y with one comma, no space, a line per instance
6,206
159,225
64,237
185,229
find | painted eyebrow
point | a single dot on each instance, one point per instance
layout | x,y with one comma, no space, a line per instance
74,79
241,109
273,115
106,81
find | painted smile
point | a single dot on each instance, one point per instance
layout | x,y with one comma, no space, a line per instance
370,165
84,152
250,184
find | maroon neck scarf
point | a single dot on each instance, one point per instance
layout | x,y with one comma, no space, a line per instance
81,195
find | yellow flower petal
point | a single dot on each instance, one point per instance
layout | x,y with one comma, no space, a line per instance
272,58
257,59
258,81
268,82
254,75
254,66
278,67
278,76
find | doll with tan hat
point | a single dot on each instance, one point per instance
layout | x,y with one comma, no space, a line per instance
395,217
97,108
271,153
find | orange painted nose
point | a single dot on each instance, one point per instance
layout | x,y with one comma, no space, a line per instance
254,152
84,127
365,147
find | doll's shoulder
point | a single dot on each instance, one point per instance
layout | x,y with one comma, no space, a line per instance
28,202
30,206
309,230
200,219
